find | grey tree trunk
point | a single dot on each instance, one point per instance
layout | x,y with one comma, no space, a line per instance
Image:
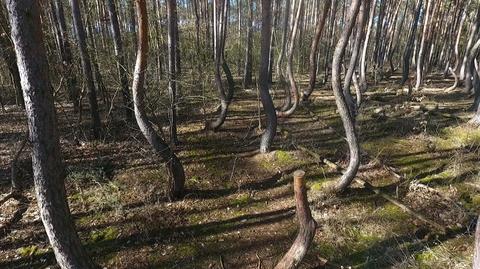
314,51
65,53
267,102
172,68
46,157
407,55
476,250
343,110
8,55
247,77
87,67
174,166
423,46
119,53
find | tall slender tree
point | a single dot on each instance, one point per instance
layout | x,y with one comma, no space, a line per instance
47,162
247,77
172,67
87,67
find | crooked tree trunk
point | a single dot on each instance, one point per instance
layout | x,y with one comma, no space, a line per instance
281,55
46,157
407,54
456,69
307,225
294,93
362,19
314,51
8,54
119,53
343,110
472,52
267,102
247,77
174,166
87,67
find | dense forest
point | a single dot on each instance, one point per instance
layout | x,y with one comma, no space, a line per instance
239,134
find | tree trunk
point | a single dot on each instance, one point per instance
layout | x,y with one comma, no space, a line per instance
469,58
247,77
363,64
65,53
119,53
281,55
293,84
87,67
174,166
407,55
476,250
307,225
314,51
267,102
423,45
46,157
172,68
8,54
343,110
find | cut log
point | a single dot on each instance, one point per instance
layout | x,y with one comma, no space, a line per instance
307,225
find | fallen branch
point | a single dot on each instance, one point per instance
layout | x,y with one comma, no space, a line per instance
307,225
387,197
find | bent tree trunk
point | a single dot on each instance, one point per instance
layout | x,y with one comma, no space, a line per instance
343,110
46,157
220,10
174,166
267,102
314,51
87,67
423,46
363,63
307,225
293,84
119,53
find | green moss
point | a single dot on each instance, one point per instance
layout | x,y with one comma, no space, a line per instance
241,200
458,137
28,251
424,259
392,212
187,250
107,234
443,177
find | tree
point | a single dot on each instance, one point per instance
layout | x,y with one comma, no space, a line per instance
314,51
65,52
87,67
267,102
407,54
46,157
172,67
8,55
120,55
174,166
220,11
343,109
476,249
423,44
294,94
247,77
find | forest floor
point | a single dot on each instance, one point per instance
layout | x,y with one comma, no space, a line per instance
239,207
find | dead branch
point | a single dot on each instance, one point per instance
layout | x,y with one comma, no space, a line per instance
387,197
307,225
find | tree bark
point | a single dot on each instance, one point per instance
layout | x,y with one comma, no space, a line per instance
174,166
476,250
172,68
407,55
119,53
314,51
423,45
46,157
294,93
363,64
267,102
87,67
307,225
343,110
8,54
247,77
